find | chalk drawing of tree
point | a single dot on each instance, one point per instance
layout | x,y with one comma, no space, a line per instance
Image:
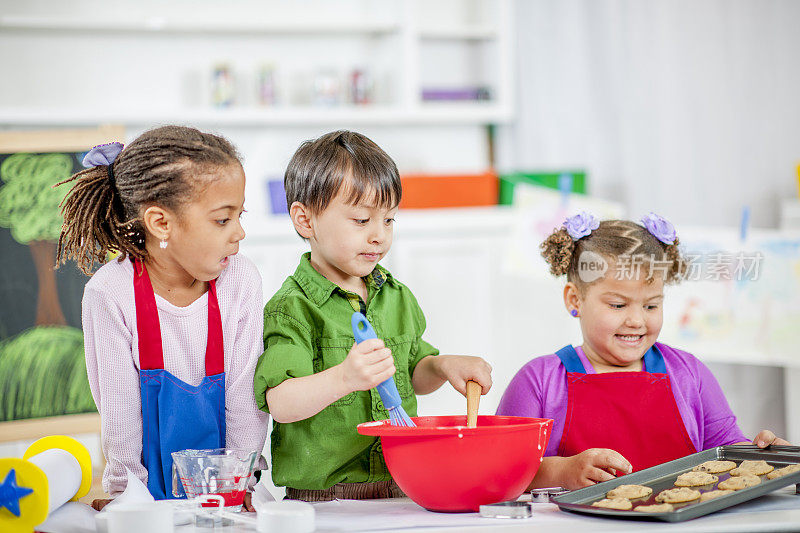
29,208
42,369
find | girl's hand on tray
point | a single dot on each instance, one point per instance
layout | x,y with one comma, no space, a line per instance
594,465
765,438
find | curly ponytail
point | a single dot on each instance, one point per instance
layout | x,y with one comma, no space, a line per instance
678,266
557,251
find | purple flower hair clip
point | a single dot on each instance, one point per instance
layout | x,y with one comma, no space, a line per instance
102,154
581,225
660,227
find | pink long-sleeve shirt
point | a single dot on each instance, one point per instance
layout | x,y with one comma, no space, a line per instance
112,358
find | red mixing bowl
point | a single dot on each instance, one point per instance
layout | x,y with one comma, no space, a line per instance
445,466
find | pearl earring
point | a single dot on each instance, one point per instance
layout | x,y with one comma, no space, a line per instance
163,243
574,312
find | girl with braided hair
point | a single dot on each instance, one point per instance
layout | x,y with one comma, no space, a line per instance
173,327
621,401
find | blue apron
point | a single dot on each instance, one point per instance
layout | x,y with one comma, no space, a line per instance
175,415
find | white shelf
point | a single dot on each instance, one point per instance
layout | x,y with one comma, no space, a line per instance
466,33
165,25
439,113
396,43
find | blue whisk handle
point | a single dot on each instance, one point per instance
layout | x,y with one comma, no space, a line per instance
362,330
389,395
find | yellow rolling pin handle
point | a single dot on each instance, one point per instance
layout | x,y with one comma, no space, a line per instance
24,495
74,448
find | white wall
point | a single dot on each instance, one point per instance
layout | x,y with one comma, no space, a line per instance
686,107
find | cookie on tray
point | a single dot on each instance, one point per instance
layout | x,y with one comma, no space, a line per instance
756,468
630,492
714,494
659,508
714,467
623,504
785,471
679,495
740,482
695,479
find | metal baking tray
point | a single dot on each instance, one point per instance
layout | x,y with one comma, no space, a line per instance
662,477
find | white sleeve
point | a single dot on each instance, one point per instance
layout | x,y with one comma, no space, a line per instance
246,425
114,382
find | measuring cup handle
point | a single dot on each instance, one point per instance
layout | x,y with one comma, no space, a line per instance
175,482
208,498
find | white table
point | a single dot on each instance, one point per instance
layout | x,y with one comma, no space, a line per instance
778,511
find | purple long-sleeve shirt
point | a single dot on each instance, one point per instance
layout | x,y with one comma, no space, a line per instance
539,390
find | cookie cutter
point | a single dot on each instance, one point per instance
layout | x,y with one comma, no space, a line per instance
512,509
543,495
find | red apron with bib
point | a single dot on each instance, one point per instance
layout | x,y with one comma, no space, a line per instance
633,413
175,414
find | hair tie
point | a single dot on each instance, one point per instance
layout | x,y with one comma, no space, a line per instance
103,154
660,228
581,225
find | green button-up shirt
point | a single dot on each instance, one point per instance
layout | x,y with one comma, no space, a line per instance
307,330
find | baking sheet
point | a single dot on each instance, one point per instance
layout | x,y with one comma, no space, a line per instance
662,477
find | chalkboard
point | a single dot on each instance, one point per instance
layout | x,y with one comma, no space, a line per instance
42,366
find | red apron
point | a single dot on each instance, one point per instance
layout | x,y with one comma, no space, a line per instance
175,414
633,413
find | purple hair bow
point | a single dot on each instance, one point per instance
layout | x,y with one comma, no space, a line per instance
660,227
581,225
102,154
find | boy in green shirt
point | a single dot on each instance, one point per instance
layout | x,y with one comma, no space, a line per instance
343,192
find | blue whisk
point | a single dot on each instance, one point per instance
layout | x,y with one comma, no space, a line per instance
362,330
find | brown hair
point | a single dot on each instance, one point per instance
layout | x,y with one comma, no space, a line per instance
319,167
613,239
102,209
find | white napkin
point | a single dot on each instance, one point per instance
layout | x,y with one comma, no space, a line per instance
135,492
261,495
72,517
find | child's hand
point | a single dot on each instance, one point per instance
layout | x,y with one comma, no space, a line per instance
366,365
593,466
98,505
248,502
458,369
766,437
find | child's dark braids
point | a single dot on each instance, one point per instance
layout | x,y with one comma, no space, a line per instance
163,167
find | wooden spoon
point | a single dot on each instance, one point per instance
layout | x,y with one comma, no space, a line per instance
473,399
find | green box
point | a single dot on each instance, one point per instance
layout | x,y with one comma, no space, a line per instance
548,179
